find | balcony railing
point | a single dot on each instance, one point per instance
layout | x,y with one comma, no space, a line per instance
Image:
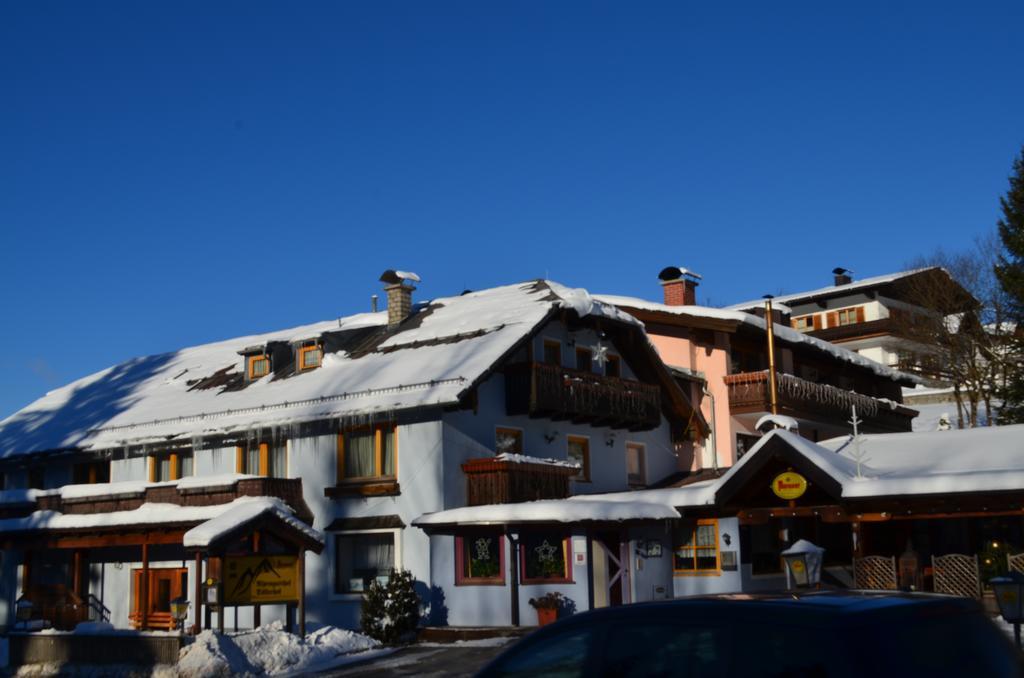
749,392
491,480
542,390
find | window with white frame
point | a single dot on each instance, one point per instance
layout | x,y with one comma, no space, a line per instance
361,558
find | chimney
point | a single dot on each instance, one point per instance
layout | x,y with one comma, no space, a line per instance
399,288
679,286
842,276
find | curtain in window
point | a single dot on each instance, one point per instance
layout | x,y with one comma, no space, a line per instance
277,461
359,455
252,460
388,463
163,468
186,464
361,558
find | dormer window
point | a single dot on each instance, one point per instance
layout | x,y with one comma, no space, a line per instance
310,357
259,366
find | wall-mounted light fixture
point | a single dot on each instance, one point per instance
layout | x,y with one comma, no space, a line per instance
550,436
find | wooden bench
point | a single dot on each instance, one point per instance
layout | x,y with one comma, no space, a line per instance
154,620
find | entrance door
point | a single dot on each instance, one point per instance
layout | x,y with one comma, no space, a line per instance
165,584
611,570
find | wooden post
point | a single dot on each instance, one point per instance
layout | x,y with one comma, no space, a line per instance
302,593
197,588
26,573
76,567
255,608
514,577
144,585
221,606
858,539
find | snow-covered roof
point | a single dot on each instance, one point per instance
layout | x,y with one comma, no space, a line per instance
203,535
432,359
548,511
836,290
987,459
782,333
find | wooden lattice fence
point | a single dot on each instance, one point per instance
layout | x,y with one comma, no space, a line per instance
957,575
1015,563
875,572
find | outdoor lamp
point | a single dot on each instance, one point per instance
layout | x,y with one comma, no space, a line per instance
1009,591
803,564
23,609
179,610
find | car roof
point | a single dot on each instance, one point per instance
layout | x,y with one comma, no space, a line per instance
847,605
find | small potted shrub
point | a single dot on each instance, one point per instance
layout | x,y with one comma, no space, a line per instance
547,607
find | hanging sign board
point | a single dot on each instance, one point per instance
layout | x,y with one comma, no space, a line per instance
261,579
789,485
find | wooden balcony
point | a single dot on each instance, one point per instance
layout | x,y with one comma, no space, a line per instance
749,393
495,481
542,390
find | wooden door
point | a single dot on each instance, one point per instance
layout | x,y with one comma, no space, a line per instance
165,584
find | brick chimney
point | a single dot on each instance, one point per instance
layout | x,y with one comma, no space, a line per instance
679,286
399,288
842,276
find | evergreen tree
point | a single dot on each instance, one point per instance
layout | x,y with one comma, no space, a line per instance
391,611
1010,272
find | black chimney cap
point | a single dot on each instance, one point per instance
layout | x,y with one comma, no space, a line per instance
839,270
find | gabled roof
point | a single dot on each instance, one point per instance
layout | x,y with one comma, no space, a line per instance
935,274
987,459
434,358
729,320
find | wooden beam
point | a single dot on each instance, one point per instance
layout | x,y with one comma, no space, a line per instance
144,596
302,593
76,583
197,589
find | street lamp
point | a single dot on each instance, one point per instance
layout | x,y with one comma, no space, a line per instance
803,564
179,610
1009,591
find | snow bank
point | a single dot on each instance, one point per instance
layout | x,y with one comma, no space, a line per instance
267,651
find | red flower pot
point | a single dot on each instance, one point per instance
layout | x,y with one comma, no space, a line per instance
546,615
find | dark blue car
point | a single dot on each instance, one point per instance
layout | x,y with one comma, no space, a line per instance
791,635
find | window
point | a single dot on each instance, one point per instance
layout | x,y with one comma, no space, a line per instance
367,452
362,558
508,440
660,647
36,478
744,443
584,358
806,323
552,352
613,368
91,472
636,467
259,366
569,654
847,316
696,547
169,466
263,459
310,357
579,452
480,559
544,558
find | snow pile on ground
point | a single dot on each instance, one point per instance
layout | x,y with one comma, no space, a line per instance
266,651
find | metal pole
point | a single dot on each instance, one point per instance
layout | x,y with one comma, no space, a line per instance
514,548
772,385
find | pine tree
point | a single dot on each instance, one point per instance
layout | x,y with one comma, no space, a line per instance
391,611
1010,272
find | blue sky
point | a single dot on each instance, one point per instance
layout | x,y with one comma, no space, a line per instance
176,173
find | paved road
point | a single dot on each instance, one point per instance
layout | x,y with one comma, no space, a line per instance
455,661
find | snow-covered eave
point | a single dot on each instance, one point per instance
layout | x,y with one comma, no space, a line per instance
546,511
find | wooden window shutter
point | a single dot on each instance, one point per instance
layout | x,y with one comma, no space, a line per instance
792,323
152,469
264,459
341,457
860,314
239,459
817,321
833,319
175,469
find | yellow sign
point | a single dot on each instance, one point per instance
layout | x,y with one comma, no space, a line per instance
261,579
789,485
